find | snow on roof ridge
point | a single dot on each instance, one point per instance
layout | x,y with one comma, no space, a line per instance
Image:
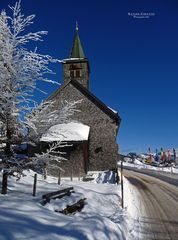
70,59
114,111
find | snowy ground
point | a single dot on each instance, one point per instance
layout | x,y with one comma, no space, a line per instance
23,217
139,165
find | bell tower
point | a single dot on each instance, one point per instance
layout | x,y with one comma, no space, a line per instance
77,66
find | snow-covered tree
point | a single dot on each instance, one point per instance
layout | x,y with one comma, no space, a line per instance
20,69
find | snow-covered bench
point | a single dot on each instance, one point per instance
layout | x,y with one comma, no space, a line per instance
76,207
57,194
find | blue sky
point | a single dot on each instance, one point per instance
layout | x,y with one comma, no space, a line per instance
134,62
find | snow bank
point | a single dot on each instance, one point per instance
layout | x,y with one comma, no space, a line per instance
72,131
23,217
139,165
101,177
136,161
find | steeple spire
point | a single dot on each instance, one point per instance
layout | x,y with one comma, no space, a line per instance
77,50
76,67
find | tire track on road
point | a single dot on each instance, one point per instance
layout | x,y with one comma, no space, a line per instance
158,216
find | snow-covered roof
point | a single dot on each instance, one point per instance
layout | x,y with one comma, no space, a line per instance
72,131
114,111
72,59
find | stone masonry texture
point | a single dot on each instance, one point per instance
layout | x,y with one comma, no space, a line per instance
102,146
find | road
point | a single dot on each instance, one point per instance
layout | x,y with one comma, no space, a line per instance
157,205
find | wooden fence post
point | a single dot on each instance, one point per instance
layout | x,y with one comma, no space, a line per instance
122,187
34,184
71,176
4,182
59,177
79,174
45,172
117,176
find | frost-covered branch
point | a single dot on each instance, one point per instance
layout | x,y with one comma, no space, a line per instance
52,154
20,68
46,115
49,159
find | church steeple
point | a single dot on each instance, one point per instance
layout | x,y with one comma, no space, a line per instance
77,66
77,49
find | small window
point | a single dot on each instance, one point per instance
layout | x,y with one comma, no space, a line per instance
99,149
71,73
78,73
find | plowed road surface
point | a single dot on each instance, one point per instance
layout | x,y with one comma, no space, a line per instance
157,204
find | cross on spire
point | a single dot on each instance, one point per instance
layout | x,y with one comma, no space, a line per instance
76,26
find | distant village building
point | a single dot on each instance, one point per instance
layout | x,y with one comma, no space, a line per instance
93,130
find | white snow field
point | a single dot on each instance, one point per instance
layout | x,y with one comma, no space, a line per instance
23,217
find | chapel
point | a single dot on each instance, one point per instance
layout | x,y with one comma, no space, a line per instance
92,130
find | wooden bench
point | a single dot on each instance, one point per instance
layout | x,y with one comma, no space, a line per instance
57,194
73,208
